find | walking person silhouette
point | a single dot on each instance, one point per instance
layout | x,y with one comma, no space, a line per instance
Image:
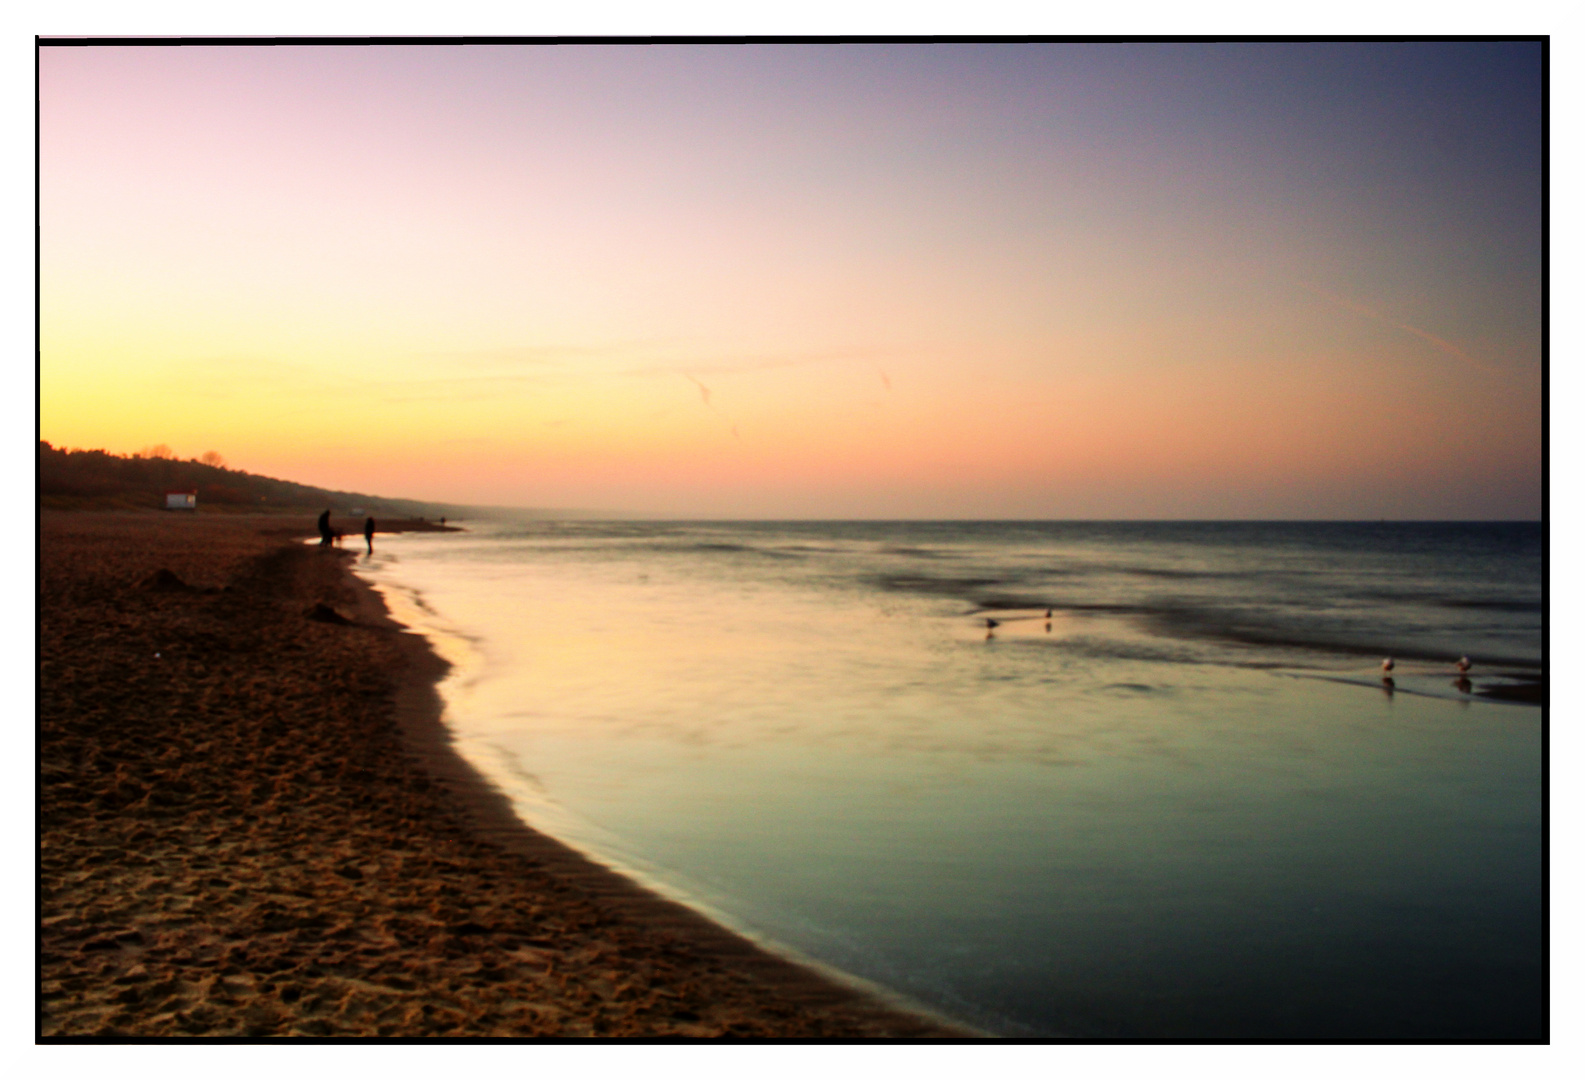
324,529
368,534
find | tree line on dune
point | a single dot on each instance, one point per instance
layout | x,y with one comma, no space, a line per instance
96,479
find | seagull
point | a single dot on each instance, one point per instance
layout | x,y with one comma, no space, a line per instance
1386,665
1463,664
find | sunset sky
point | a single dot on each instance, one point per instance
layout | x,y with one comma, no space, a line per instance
999,281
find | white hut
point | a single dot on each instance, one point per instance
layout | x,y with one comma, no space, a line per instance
181,500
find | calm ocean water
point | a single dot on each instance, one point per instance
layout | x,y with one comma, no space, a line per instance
1184,805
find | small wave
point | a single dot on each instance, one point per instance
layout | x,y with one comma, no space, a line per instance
737,549
1495,605
1013,602
1209,625
964,587
671,546
1456,603
918,553
1172,574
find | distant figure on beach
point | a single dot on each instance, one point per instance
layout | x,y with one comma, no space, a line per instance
1048,620
442,521
1463,665
990,628
368,534
324,529
1387,666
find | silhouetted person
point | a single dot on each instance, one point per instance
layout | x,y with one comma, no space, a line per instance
368,534
324,529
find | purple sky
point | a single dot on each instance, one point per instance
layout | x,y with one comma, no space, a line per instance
903,281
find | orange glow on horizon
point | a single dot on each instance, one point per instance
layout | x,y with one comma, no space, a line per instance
655,282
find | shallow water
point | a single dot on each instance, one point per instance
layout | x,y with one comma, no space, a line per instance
1185,805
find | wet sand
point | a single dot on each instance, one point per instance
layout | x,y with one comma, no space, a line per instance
251,825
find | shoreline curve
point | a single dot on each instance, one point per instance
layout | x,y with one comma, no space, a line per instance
419,711
252,826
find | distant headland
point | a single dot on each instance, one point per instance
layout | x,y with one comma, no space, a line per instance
71,479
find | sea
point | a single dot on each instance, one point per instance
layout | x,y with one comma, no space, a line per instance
1089,780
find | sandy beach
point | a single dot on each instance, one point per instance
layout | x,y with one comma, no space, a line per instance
251,826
